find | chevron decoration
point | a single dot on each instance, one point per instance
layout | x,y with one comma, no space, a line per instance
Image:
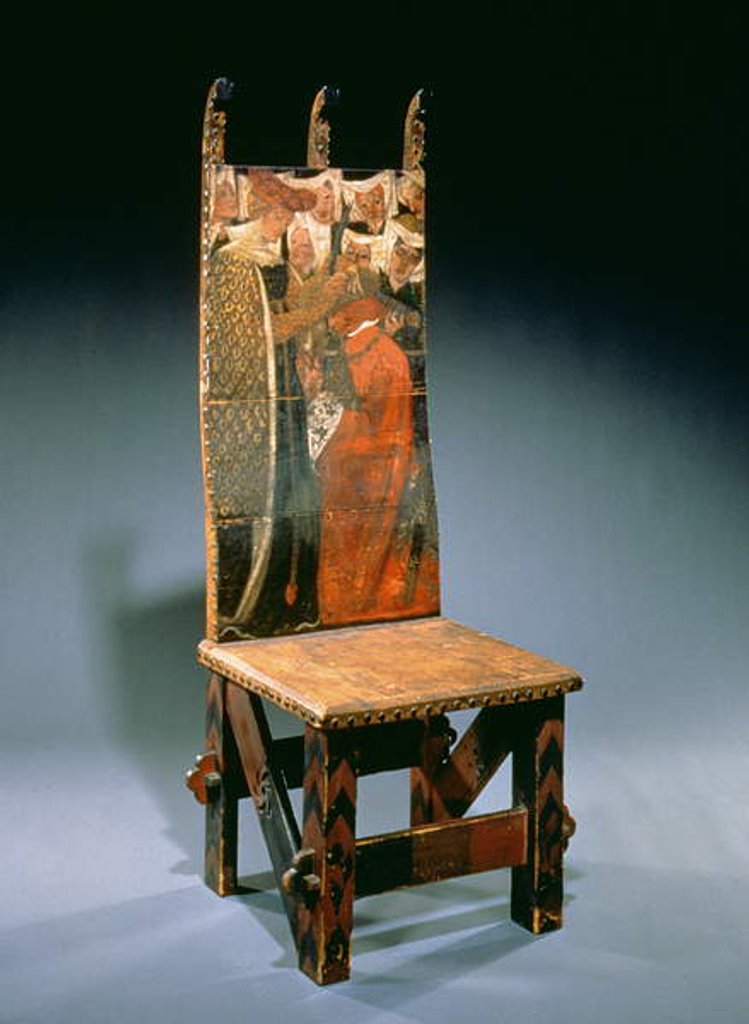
426,802
537,890
221,812
325,922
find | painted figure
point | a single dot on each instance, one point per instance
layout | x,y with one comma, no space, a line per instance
371,202
322,218
362,471
279,561
315,289
411,200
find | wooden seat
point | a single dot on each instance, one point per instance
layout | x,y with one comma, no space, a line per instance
322,570
387,673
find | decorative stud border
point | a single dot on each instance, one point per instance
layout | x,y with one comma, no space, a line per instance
212,153
209,655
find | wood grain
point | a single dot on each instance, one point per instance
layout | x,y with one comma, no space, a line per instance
385,749
538,745
370,674
266,786
429,853
480,753
434,746
324,924
221,811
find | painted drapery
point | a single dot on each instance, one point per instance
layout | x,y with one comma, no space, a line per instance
316,450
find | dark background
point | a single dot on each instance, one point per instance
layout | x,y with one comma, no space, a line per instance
589,156
587,305
587,325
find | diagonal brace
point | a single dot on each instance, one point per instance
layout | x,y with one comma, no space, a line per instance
446,786
267,788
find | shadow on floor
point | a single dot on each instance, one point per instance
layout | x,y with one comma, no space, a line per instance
144,649
643,943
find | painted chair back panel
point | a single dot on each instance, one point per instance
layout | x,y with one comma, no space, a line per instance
320,506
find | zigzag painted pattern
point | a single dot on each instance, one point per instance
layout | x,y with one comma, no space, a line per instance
221,813
426,803
549,824
324,928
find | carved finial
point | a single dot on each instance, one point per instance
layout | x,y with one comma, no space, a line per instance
214,122
318,136
413,134
224,89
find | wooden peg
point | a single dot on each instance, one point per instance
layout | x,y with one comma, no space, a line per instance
300,880
569,826
204,780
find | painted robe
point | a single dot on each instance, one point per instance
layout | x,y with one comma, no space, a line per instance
362,569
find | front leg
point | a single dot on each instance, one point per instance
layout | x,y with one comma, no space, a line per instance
537,890
222,804
329,832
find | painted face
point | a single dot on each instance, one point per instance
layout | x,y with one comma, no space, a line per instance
274,222
404,259
360,255
301,250
226,201
413,196
324,209
372,205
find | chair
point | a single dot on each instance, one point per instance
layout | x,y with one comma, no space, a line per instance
322,563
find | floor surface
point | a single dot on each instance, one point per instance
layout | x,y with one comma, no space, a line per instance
105,917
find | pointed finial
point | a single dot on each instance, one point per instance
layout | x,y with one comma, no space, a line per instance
318,135
413,134
214,121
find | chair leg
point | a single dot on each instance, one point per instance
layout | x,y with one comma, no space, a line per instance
221,809
537,889
427,805
329,829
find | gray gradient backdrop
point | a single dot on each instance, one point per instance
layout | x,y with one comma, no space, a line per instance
589,448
